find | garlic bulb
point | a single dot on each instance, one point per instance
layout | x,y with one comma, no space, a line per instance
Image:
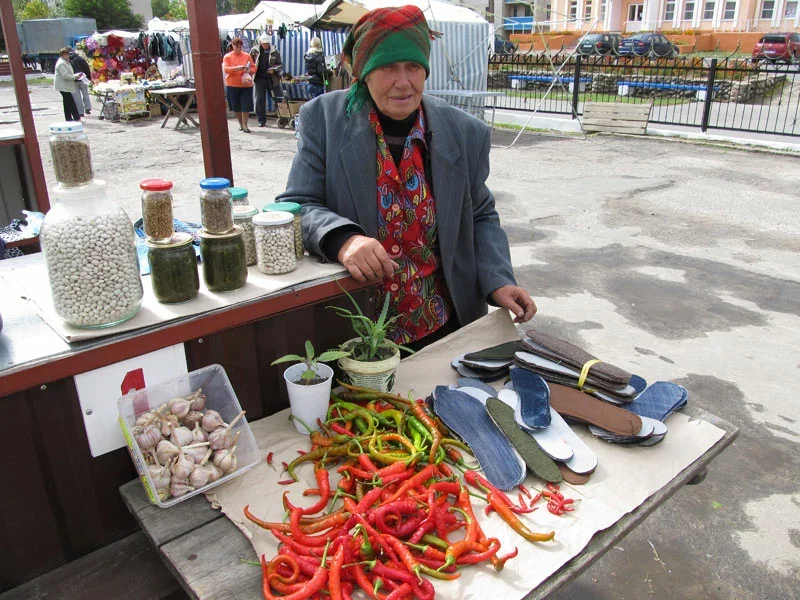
199,477
193,418
181,436
179,487
196,451
199,434
160,476
165,451
212,420
183,466
179,407
148,418
168,423
226,459
197,400
147,436
214,472
222,438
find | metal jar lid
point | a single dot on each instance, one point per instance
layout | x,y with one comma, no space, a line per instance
244,211
290,207
236,231
270,218
178,240
214,183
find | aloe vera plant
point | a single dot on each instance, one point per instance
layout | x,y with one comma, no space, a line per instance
372,342
309,376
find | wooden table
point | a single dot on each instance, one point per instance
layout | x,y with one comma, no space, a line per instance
206,552
177,102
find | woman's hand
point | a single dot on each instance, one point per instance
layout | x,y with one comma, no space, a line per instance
366,260
517,300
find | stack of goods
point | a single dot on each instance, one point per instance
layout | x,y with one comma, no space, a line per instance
398,516
110,55
222,244
488,365
87,240
171,255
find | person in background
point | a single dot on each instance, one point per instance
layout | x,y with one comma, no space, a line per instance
268,77
239,67
393,186
315,68
81,94
65,84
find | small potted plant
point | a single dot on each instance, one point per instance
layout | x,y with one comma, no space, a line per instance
371,357
309,385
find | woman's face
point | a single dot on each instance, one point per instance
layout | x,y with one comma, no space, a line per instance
238,47
396,88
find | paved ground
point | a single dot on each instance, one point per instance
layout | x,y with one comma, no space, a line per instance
679,261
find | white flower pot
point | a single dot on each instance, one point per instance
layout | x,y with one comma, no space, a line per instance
308,402
377,375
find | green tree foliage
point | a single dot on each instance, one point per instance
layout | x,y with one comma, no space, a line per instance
177,11
160,8
109,14
224,7
243,6
35,9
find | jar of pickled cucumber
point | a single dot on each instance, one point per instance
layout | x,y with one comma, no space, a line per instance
173,269
224,260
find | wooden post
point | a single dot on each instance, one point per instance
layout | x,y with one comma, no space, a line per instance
30,142
210,88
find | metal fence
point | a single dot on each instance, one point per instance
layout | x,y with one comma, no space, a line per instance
709,93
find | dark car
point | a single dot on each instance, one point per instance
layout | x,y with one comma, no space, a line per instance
599,43
502,45
775,47
648,44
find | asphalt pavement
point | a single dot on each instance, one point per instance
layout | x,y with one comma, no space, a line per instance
678,260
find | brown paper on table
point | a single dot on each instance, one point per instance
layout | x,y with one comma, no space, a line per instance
29,278
624,479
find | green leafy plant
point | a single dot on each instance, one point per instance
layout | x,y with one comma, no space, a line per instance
310,360
372,343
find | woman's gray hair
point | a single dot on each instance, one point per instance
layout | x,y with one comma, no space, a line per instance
316,44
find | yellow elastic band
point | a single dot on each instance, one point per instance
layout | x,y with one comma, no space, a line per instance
585,372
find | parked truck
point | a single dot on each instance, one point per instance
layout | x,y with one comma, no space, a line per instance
43,38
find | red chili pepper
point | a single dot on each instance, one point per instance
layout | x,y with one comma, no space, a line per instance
286,481
418,479
302,452
509,517
311,587
366,463
362,580
335,575
269,457
341,430
285,465
324,492
524,490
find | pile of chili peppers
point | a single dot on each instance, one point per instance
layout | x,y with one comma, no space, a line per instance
397,513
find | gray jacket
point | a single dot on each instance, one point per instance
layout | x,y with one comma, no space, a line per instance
65,76
334,177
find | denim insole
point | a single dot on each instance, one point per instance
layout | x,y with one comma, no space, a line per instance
534,398
659,400
467,417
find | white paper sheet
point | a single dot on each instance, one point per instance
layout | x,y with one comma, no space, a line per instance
30,280
625,477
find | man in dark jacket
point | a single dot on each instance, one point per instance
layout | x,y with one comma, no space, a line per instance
267,77
81,93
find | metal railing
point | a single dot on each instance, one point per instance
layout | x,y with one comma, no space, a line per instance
726,93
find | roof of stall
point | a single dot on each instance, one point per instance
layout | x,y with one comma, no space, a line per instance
224,22
273,13
342,13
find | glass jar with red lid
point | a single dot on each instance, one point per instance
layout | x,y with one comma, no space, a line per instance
157,210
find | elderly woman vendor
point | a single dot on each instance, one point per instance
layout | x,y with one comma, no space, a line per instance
393,186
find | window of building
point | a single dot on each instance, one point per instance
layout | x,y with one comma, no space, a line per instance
528,11
669,10
573,9
791,9
587,10
767,9
730,10
688,10
548,10
602,15
708,9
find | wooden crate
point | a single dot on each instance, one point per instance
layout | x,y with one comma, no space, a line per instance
615,117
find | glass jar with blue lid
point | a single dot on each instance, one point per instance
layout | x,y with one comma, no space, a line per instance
215,205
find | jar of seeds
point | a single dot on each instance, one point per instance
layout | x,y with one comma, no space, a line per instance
243,217
173,269
294,209
274,234
239,195
215,205
224,262
157,210
90,255
72,157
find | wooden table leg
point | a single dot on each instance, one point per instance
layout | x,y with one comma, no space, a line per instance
184,113
166,104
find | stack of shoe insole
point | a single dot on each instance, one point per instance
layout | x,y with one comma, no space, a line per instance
489,364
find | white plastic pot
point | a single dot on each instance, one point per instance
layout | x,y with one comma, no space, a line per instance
308,402
377,375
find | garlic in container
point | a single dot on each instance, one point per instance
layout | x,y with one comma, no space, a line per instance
197,400
226,459
212,420
166,450
179,487
196,451
199,433
193,418
202,474
168,423
183,466
161,479
181,436
222,438
179,407
147,436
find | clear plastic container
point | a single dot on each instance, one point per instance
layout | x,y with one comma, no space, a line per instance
215,205
274,233
224,260
157,210
294,209
173,269
90,254
72,156
239,196
219,397
243,217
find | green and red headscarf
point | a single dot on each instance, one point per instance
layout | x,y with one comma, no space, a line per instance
381,37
